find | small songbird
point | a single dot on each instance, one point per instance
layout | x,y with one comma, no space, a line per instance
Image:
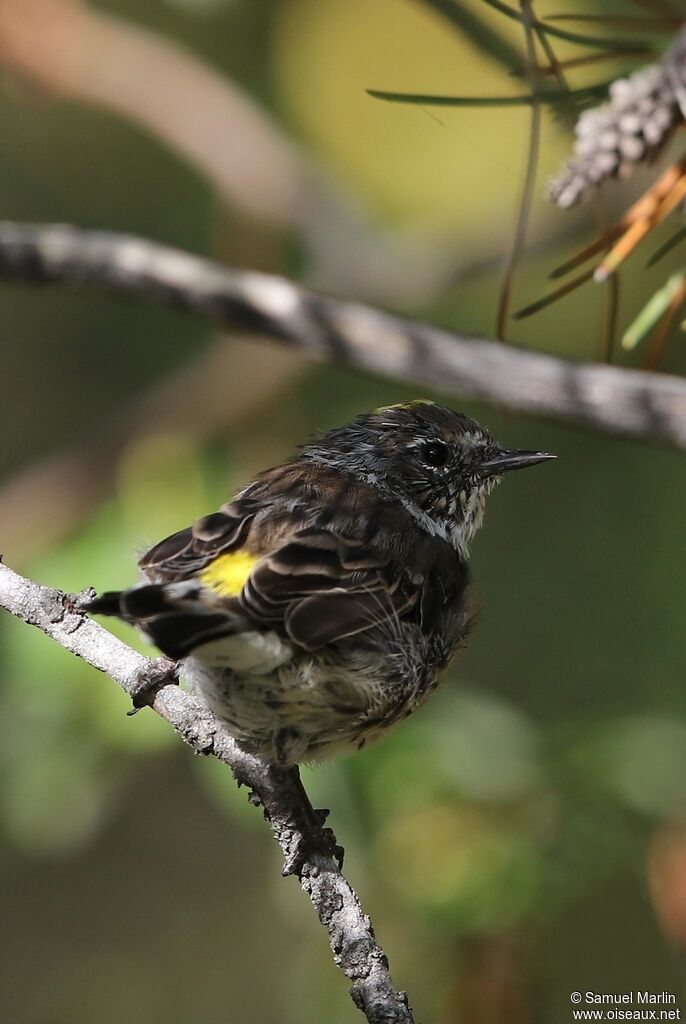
318,607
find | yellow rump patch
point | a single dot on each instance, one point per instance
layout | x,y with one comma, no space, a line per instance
227,574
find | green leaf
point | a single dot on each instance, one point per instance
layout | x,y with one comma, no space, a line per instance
671,242
483,37
602,42
654,308
550,96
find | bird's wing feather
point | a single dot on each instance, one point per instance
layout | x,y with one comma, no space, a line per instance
189,551
314,584
322,587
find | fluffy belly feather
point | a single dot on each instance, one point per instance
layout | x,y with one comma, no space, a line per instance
291,707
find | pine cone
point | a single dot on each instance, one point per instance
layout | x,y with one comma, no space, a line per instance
610,139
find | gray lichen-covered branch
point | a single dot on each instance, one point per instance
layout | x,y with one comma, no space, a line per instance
354,947
348,333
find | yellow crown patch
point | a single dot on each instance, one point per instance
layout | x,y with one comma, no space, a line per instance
406,405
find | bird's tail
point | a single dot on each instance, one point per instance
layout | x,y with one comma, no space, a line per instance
173,615
105,604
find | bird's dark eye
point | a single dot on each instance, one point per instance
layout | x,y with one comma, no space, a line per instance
435,453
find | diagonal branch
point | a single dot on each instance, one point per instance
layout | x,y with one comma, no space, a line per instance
602,397
354,947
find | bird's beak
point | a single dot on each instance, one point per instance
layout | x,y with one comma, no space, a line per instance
503,461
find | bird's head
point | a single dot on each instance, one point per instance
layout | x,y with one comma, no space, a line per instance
439,464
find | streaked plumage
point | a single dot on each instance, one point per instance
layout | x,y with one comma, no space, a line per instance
317,608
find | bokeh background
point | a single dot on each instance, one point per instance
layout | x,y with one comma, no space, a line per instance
525,835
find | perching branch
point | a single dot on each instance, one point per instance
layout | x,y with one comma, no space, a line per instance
606,398
351,935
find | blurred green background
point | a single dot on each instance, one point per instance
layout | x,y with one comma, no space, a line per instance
522,837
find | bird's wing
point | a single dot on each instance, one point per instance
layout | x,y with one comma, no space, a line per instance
317,587
314,584
311,584
189,551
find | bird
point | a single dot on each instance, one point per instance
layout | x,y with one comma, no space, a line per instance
319,606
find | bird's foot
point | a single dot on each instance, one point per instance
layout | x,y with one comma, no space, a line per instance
315,840
162,672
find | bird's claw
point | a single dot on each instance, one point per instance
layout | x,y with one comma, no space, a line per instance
163,672
315,840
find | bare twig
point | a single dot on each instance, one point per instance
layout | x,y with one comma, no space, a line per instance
602,397
353,944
